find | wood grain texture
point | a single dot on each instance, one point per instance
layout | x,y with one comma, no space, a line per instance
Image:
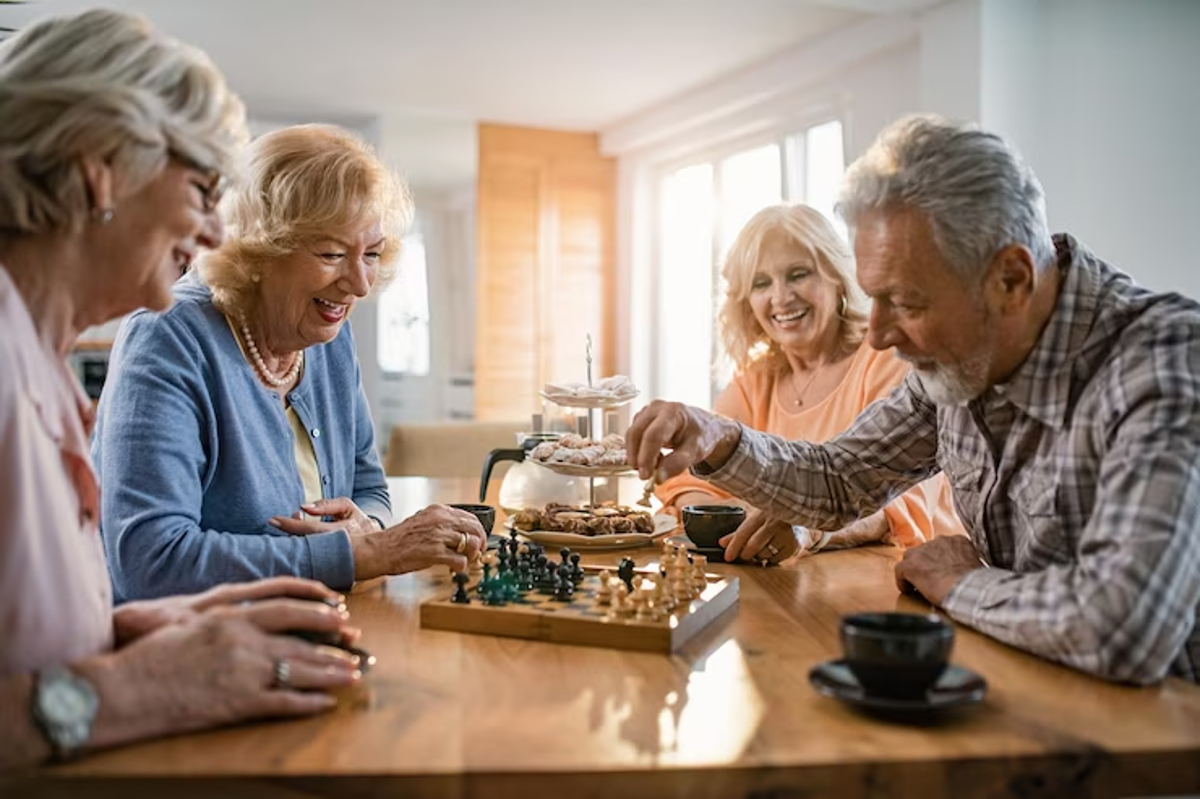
730,715
546,265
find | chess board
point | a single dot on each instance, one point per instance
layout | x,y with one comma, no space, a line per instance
582,621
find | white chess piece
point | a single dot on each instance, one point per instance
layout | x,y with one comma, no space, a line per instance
604,593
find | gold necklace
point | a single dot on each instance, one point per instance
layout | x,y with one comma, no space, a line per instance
800,392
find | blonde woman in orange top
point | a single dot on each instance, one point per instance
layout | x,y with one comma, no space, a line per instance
794,322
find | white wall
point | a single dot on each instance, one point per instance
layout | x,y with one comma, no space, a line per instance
1102,98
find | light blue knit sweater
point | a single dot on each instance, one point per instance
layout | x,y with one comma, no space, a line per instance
194,455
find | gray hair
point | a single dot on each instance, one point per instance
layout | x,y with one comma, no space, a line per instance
976,192
103,84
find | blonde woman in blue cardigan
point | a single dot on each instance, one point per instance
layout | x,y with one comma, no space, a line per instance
234,435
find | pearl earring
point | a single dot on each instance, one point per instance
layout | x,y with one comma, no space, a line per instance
102,216
255,277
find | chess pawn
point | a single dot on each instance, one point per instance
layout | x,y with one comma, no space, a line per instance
699,578
618,609
682,587
636,582
604,593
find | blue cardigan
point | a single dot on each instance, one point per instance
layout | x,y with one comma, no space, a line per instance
194,455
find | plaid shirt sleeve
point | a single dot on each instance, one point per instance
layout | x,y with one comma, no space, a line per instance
891,447
1124,606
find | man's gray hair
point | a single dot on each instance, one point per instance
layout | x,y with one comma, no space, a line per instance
976,192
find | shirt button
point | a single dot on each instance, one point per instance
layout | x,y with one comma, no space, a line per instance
316,432
325,479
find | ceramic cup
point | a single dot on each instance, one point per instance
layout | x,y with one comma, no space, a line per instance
706,525
486,514
898,655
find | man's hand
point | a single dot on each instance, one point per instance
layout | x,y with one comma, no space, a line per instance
933,569
692,434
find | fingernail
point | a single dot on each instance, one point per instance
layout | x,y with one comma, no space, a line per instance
273,521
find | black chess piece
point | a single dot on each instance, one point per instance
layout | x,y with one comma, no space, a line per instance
460,594
564,589
576,569
625,572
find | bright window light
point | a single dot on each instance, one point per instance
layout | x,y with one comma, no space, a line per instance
404,314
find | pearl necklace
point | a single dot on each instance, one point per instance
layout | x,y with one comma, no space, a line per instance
263,371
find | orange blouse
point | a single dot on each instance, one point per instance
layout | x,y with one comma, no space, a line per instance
752,398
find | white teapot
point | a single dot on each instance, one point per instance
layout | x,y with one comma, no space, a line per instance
528,485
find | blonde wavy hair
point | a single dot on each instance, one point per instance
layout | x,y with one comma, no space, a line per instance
300,184
105,85
745,342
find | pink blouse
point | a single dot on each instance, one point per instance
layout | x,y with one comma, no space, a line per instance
55,595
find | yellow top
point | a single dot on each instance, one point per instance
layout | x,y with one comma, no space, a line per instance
752,398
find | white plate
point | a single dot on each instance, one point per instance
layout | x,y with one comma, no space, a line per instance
577,470
663,524
594,401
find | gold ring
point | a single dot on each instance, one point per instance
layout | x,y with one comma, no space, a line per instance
774,549
462,544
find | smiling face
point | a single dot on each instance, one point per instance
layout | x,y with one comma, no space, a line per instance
794,304
154,235
306,295
922,308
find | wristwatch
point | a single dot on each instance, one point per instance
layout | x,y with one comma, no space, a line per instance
64,707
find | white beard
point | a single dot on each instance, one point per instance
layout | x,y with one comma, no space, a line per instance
955,384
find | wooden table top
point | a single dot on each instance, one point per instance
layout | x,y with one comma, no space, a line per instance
447,714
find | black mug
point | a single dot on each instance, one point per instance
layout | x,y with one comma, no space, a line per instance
486,514
896,655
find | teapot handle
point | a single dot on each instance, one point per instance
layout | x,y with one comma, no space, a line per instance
494,457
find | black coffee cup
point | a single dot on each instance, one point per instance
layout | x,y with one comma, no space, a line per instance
896,655
706,525
486,514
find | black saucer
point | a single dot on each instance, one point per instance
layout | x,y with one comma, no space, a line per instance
956,688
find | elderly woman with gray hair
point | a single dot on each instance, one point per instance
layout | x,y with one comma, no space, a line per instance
114,141
234,435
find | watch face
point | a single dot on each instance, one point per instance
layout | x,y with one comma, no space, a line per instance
64,703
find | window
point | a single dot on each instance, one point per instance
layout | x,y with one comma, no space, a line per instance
702,206
404,314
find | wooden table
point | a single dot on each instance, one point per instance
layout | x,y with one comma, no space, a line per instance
451,715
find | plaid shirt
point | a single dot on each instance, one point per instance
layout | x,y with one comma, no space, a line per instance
1078,480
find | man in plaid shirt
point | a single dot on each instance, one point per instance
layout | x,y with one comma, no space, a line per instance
1061,400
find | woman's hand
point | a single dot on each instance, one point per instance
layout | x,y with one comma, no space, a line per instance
135,619
761,539
437,535
345,514
223,665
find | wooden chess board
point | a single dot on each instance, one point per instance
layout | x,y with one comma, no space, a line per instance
582,620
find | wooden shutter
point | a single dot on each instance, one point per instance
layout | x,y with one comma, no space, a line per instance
547,204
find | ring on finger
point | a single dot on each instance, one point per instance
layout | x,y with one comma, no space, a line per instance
462,544
282,675
774,550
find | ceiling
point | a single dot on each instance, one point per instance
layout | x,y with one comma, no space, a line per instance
569,64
